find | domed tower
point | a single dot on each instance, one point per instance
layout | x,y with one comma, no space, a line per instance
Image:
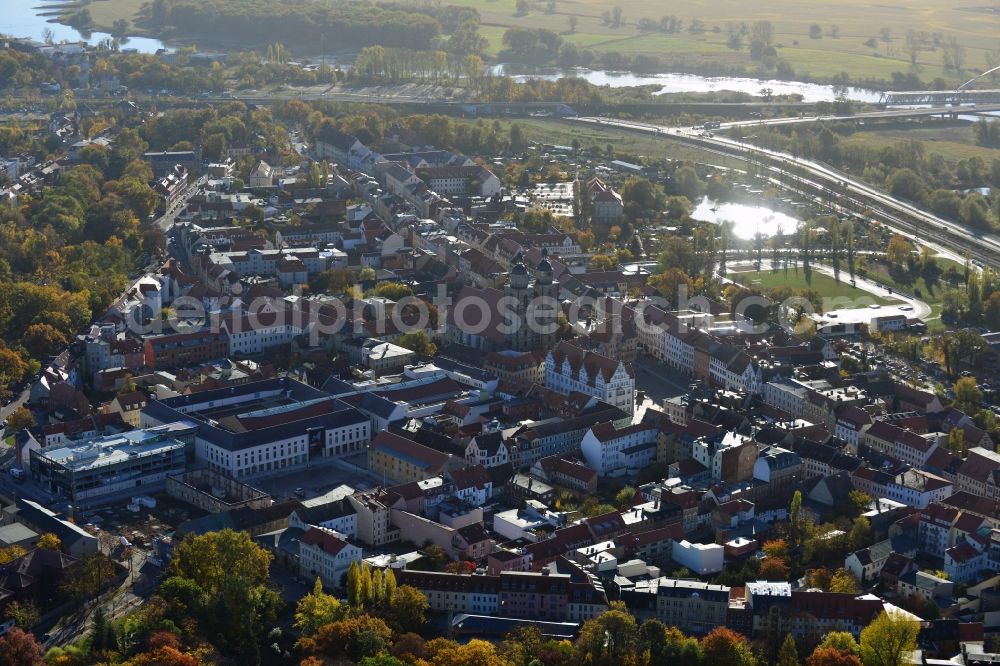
518,294
546,286
547,310
518,274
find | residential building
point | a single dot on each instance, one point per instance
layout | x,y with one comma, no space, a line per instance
399,459
612,451
569,368
701,558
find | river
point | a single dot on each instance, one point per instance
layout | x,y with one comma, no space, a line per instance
672,82
25,18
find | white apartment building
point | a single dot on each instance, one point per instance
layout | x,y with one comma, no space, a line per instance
569,368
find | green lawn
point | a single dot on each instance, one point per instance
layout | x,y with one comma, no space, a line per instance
953,142
106,12
797,278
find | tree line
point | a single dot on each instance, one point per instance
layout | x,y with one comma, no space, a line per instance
329,24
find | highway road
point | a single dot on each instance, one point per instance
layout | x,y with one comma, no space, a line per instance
873,115
843,190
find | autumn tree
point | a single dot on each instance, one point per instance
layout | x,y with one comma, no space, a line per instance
773,568
24,613
827,656
968,397
10,553
724,647
899,250
888,640
20,419
609,639
408,610
776,548
224,578
602,262
49,541
352,636
43,340
393,291
19,648
317,609
843,581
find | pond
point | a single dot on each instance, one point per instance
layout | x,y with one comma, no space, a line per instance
747,221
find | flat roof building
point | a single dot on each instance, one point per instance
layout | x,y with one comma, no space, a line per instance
116,466
266,426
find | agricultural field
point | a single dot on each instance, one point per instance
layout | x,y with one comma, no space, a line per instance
866,41
854,22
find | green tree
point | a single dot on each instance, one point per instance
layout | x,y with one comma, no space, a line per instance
841,640
788,654
624,497
687,183
418,342
393,291
795,518
968,397
861,534
889,640
317,609
956,441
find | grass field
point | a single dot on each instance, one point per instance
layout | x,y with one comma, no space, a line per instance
974,27
797,278
953,142
633,143
106,12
